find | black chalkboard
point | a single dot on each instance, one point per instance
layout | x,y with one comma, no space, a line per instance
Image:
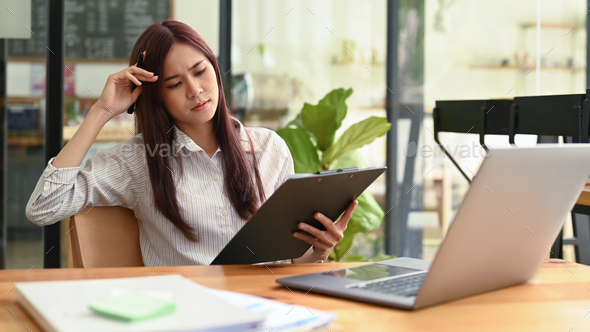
94,29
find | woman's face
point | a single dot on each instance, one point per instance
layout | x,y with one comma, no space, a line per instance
190,86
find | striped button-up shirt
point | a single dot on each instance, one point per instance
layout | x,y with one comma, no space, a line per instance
119,176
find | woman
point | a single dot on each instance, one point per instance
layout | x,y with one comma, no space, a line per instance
193,175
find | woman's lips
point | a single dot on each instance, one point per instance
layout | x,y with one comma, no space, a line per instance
200,107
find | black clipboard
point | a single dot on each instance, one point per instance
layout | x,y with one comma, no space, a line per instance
268,235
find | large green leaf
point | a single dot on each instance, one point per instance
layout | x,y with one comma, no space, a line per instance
359,134
304,153
343,246
350,159
367,215
320,120
298,123
337,98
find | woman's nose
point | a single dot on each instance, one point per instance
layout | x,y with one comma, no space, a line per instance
194,89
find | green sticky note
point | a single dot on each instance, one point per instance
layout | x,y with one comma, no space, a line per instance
133,306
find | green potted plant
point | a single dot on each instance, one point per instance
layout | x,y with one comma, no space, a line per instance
311,140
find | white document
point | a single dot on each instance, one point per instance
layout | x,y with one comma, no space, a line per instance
62,306
279,316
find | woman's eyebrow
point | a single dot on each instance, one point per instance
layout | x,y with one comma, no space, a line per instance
191,68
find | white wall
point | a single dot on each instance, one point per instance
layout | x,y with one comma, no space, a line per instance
201,15
15,19
18,78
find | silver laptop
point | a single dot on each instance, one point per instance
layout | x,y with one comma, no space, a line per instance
510,217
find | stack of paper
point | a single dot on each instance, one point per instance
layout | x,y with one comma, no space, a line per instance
64,306
279,316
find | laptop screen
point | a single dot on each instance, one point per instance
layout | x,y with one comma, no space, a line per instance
371,272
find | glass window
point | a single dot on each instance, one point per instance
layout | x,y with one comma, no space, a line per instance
99,36
289,53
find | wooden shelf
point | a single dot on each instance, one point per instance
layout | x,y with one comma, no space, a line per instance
29,140
36,99
523,68
114,133
371,108
24,100
552,26
380,108
359,63
33,59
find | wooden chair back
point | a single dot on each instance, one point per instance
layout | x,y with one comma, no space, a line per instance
105,236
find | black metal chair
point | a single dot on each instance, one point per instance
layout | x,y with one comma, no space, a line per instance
482,117
496,117
550,117
559,115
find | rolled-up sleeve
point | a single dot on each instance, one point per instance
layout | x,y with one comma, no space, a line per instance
114,177
287,163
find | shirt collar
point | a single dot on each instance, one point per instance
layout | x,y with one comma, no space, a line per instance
244,138
182,140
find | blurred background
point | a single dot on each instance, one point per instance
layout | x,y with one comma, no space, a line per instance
282,54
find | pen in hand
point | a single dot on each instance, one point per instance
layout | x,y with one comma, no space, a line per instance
139,64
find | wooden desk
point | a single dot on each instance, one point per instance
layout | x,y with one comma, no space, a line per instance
584,198
554,300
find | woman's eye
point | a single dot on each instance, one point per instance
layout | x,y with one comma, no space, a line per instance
196,74
174,86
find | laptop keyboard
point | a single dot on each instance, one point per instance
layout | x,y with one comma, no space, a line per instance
404,286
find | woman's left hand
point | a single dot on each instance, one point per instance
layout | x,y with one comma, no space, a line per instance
323,241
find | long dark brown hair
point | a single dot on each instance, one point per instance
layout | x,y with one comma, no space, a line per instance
154,122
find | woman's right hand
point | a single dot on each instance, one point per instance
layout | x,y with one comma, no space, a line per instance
117,97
